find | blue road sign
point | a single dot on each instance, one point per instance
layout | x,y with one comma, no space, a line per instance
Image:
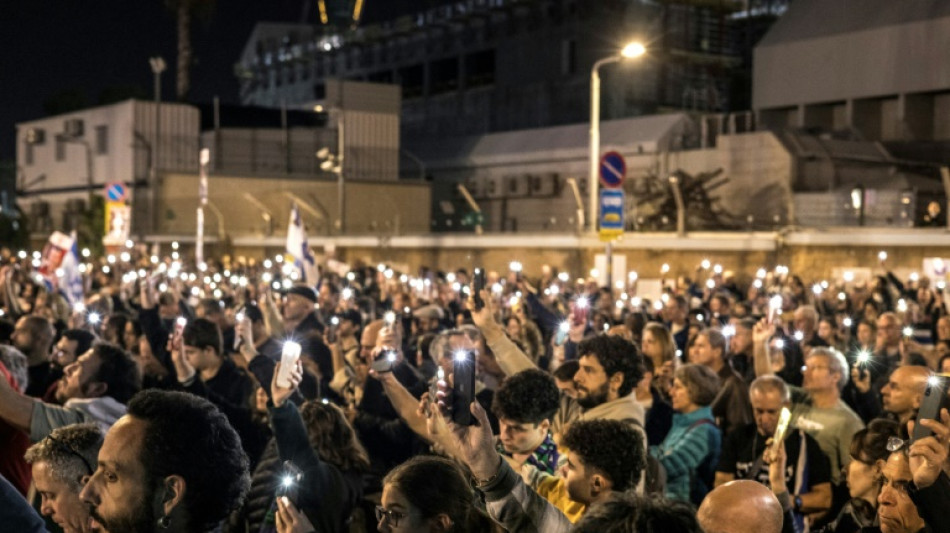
115,192
611,214
613,169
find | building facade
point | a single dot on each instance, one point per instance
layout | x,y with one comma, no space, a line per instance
473,67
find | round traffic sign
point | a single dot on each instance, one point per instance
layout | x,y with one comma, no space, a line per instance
613,169
115,191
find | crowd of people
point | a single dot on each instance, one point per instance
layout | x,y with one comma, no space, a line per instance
236,397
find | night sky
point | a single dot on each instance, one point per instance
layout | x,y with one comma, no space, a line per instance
53,46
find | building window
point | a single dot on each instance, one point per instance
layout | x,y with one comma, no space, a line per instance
60,149
28,153
568,57
102,140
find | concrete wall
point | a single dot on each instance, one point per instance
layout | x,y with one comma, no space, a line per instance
890,82
890,60
371,208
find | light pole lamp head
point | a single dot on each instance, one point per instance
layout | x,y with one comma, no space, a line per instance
633,50
323,153
157,64
327,166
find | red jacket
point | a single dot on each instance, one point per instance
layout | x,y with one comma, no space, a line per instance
13,444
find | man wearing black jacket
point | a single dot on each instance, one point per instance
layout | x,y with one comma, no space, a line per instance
202,370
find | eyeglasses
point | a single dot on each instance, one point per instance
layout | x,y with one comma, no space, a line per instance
896,444
814,368
62,446
392,517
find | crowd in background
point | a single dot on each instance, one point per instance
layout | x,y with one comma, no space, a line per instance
157,401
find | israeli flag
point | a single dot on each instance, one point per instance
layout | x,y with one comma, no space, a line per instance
71,283
297,247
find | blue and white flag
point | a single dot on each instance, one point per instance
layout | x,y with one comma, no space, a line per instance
298,248
71,282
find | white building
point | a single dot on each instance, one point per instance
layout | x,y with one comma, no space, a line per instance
62,160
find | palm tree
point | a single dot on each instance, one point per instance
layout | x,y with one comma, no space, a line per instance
184,11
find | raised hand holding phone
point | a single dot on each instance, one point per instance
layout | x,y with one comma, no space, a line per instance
474,444
184,370
928,454
282,389
290,519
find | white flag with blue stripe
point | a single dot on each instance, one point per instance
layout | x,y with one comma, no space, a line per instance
71,283
297,247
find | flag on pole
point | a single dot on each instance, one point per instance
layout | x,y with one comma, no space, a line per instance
71,282
298,248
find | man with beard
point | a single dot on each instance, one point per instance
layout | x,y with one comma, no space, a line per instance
71,344
61,463
172,463
94,389
610,368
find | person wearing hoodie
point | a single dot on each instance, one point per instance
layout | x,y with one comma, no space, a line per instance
94,389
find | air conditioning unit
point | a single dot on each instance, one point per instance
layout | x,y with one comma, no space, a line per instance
582,185
35,136
475,187
39,209
544,184
75,205
494,187
516,186
73,127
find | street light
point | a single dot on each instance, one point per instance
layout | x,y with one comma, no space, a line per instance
630,51
333,163
158,66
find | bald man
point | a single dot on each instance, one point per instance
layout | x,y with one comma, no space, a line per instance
743,506
904,391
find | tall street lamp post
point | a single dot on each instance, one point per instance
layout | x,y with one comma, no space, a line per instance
158,66
630,51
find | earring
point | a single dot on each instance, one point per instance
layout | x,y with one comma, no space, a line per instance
164,522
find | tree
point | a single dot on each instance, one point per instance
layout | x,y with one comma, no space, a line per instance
184,11
65,101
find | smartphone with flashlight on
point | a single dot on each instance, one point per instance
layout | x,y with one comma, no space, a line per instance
238,318
934,398
863,359
290,479
385,361
463,387
478,285
581,310
516,267
180,324
289,356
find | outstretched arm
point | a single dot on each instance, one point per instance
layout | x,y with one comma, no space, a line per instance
510,358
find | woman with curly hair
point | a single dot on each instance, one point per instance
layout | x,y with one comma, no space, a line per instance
319,441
